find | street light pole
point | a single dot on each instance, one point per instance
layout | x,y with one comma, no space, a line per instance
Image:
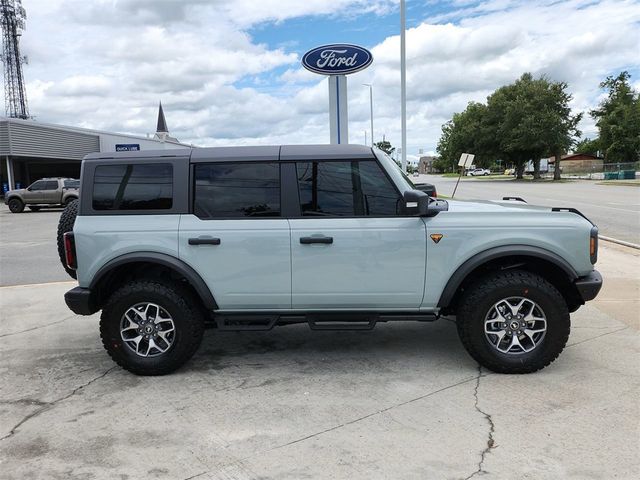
370,107
403,84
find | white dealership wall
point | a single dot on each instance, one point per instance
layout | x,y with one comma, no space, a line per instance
30,150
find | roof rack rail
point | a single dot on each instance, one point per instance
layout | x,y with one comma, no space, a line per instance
572,210
517,199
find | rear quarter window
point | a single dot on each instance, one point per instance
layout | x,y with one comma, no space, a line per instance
146,186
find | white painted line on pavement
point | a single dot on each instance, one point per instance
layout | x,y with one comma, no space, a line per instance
619,242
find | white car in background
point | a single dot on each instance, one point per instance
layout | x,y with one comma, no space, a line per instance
478,172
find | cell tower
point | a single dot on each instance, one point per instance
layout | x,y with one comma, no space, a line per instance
13,16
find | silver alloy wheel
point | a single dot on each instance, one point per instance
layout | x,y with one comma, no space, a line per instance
147,329
515,325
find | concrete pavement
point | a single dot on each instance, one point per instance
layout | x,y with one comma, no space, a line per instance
401,401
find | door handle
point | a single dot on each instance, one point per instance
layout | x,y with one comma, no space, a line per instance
310,240
204,241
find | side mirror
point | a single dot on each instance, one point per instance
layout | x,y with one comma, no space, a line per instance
416,203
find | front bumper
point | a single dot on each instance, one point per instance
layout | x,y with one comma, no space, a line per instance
80,301
589,286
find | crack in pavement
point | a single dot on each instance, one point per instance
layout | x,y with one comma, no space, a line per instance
196,475
597,336
492,429
36,328
49,405
377,412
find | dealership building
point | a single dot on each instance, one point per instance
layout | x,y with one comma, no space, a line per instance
30,150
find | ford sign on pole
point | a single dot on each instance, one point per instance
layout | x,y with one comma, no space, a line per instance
337,61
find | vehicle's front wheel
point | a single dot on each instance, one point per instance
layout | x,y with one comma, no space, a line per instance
513,322
16,205
151,328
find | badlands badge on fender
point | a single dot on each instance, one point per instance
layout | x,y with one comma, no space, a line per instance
436,237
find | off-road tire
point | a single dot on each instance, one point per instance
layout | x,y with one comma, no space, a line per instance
184,309
480,298
68,200
35,209
65,224
16,205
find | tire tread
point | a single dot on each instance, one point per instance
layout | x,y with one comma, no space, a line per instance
503,280
65,224
192,325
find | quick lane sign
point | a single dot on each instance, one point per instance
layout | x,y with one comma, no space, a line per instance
127,147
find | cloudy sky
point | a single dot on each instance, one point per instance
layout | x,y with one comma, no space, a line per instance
228,71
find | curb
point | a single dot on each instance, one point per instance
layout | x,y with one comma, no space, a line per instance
619,242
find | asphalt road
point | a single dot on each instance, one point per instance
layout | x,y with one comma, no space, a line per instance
28,251
615,209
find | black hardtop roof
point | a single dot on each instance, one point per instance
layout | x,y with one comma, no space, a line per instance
245,153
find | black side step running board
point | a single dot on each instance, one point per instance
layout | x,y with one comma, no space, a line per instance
316,321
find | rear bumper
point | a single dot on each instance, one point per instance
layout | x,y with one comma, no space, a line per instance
80,301
589,286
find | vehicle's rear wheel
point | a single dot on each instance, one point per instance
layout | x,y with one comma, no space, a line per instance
68,200
16,205
513,322
35,209
65,224
151,328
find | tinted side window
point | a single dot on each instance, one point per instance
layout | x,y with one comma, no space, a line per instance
51,185
72,183
232,190
39,185
133,187
349,188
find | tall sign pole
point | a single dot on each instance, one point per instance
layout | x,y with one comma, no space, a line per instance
403,84
338,112
337,61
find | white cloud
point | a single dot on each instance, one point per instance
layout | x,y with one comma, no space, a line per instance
105,64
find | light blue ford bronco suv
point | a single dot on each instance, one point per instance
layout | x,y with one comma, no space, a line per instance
247,238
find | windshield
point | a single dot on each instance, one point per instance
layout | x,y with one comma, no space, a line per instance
393,169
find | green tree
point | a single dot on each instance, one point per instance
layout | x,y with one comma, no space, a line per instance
588,146
385,146
464,133
520,122
618,120
531,118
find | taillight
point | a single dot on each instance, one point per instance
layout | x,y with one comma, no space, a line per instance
593,245
435,193
70,251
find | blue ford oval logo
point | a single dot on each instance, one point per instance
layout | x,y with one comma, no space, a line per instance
338,59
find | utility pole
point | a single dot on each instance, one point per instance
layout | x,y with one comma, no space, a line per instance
403,83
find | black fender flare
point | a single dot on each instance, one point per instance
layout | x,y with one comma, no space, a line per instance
165,260
499,252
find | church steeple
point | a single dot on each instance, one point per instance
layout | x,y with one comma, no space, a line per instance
162,123
162,131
